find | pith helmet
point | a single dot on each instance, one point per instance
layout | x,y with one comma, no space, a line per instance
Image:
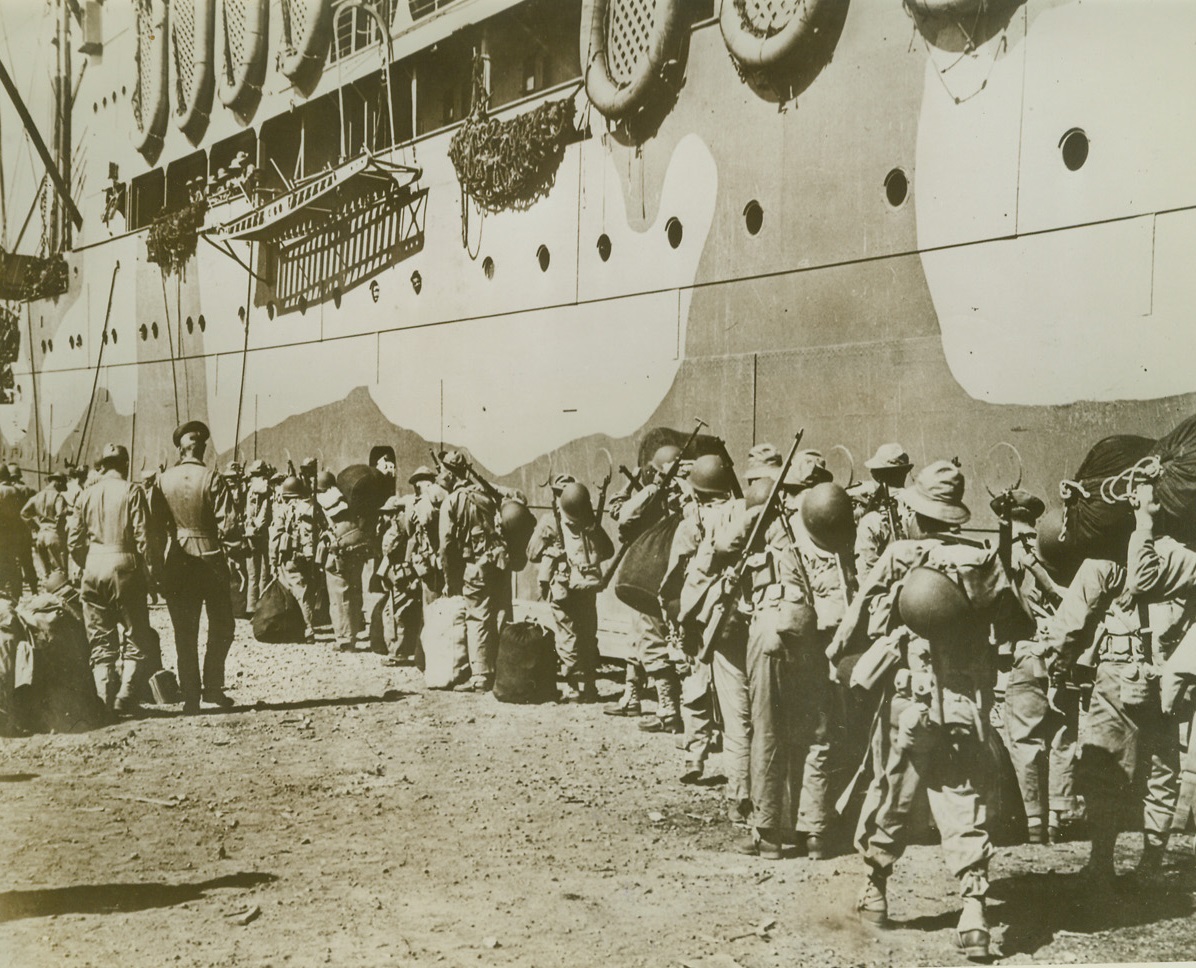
889,457
422,473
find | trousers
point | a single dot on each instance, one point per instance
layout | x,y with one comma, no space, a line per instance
343,578
113,592
482,591
297,576
728,668
575,622
194,584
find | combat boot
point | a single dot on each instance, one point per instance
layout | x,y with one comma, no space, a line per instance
972,932
629,702
668,694
126,698
106,682
1151,861
872,905
1099,873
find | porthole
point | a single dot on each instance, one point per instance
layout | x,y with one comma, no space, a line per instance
104,337
79,339
417,281
544,257
113,97
753,217
190,325
604,247
1074,148
270,310
203,323
674,230
154,329
241,313
104,101
114,336
896,187
43,346
50,345
488,267
336,297
72,342
302,305
144,331
95,106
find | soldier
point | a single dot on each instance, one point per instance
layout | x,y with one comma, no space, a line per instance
237,552
17,477
16,548
199,517
293,549
890,466
344,548
258,507
1130,745
402,612
1040,723
574,552
651,660
423,546
45,512
473,559
930,731
110,541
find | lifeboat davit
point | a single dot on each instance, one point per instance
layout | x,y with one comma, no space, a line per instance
626,46
307,33
244,28
192,35
151,106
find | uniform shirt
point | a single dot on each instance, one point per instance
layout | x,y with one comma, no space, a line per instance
468,529
544,547
258,504
113,517
46,509
1160,568
199,507
586,547
292,532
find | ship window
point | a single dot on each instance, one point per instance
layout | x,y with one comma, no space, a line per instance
674,230
417,281
149,194
896,187
1074,146
154,330
203,323
144,331
543,256
186,180
753,217
421,8
355,30
232,167
488,267
190,325
604,247
532,47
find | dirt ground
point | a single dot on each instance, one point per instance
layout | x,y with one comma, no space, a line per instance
343,815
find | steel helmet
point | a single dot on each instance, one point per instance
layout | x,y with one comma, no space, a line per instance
665,455
757,491
575,503
933,606
518,522
710,475
293,487
1061,559
325,480
827,513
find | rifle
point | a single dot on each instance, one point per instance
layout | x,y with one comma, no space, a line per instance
602,488
632,479
435,458
890,505
665,483
735,488
749,549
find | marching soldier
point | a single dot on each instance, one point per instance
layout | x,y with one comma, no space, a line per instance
258,507
199,517
890,466
46,514
937,689
16,548
473,559
110,541
293,549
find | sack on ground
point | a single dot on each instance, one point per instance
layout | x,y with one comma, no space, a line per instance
525,671
446,656
278,617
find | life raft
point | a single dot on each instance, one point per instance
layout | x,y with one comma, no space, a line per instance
151,106
762,34
192,36
307,34
244,30
626,46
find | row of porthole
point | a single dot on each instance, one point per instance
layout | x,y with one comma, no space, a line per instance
103,102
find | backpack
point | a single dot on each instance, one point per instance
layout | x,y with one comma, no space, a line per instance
278,617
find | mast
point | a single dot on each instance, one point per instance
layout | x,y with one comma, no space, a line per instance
66,107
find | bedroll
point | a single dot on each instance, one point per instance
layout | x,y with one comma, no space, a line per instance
1094,528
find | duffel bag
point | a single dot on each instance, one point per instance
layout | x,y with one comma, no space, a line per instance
1093,527
525,670
278,617
446,656
639,579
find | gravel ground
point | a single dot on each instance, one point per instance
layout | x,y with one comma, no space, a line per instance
343,815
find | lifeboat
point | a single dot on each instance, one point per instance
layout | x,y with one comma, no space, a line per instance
307,34
765,35
626,47
151,109
192,33
244,30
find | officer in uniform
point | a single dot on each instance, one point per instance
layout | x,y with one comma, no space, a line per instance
45,512
110,541
889,466
258,506
16,548
473,559
199,517
293,549
930,732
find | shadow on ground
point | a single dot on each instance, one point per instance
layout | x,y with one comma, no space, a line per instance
117,898
391,695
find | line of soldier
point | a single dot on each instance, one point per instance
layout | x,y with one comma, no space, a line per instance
819,628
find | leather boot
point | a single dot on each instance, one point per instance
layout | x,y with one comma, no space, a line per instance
973,930
1151,861
629,703
106,682
668,695
126,697
872,905
1099,872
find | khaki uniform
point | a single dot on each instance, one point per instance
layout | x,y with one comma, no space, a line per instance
46,513
258,507
403,612
348,549
16,544
292,553
199,516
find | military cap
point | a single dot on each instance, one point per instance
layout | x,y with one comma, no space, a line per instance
889,457
59,476
937,493
422,473
256,468
114,454
14,471
197,427
763,460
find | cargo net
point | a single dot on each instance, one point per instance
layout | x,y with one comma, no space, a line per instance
182,44
295,15
234,36
767,17
630,25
